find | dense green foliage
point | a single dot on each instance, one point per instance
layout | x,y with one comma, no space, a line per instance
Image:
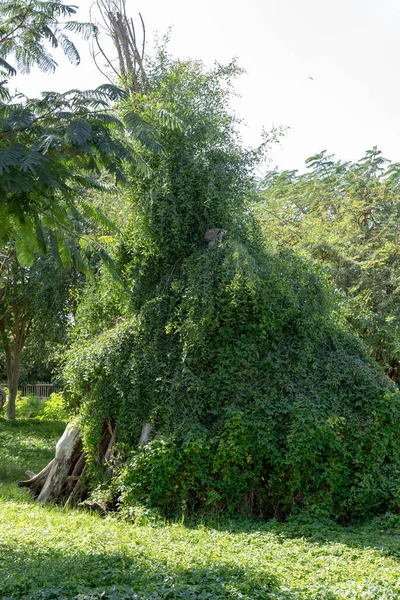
346,218
54,554
33,407
53,151
55,148
259,399
36,307
36,301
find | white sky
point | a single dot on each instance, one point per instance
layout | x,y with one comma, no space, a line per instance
351,49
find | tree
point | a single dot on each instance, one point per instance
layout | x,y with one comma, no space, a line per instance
55,147
53,150
220,377
26,25
33,300
345,217
120,28
257,397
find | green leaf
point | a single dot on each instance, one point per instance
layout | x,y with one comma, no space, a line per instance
78,132
97,216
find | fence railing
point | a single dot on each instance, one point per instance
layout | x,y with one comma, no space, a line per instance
40,389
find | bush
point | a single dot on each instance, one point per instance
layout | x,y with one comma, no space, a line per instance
54,407
29,406
260,402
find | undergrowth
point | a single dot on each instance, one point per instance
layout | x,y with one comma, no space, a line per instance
50,553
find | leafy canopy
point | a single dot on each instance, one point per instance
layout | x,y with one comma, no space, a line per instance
54,148
345,217
26,26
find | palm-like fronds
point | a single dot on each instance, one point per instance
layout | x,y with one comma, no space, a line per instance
24,27
51,151
7,68
85,30
55,147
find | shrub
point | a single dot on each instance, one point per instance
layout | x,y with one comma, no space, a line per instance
260,400
54,407
29,406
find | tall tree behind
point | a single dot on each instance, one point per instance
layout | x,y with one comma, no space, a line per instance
55,147
346,217
25,26
52,150
231,354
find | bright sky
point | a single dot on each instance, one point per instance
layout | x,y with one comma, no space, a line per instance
350,49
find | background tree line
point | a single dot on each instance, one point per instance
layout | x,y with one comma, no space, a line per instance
345,217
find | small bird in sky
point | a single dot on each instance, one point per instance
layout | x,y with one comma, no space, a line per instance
311,78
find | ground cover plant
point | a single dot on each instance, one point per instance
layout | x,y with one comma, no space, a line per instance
50,553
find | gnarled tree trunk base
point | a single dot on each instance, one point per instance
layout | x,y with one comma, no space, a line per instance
68,450
63,479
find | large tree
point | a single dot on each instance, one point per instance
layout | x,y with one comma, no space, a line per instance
53,151
25,28
221,372
234,358
55,147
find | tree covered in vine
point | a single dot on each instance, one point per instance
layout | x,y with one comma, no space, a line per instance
258,398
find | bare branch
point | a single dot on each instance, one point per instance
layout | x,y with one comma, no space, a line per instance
94,57
144,35
122,32
105,57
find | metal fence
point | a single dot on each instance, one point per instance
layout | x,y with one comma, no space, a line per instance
40,389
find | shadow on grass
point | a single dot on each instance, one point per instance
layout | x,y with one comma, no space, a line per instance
34,574
381,533
31,573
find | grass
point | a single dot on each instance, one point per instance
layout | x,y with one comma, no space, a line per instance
26,444
47,552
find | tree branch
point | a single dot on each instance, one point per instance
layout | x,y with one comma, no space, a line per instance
11,33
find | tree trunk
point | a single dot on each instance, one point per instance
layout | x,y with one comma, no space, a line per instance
13,349
36,482
64,479
15,324
13,380
67,448
145,435
3,398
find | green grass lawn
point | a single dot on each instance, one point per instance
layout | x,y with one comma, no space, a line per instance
51,553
